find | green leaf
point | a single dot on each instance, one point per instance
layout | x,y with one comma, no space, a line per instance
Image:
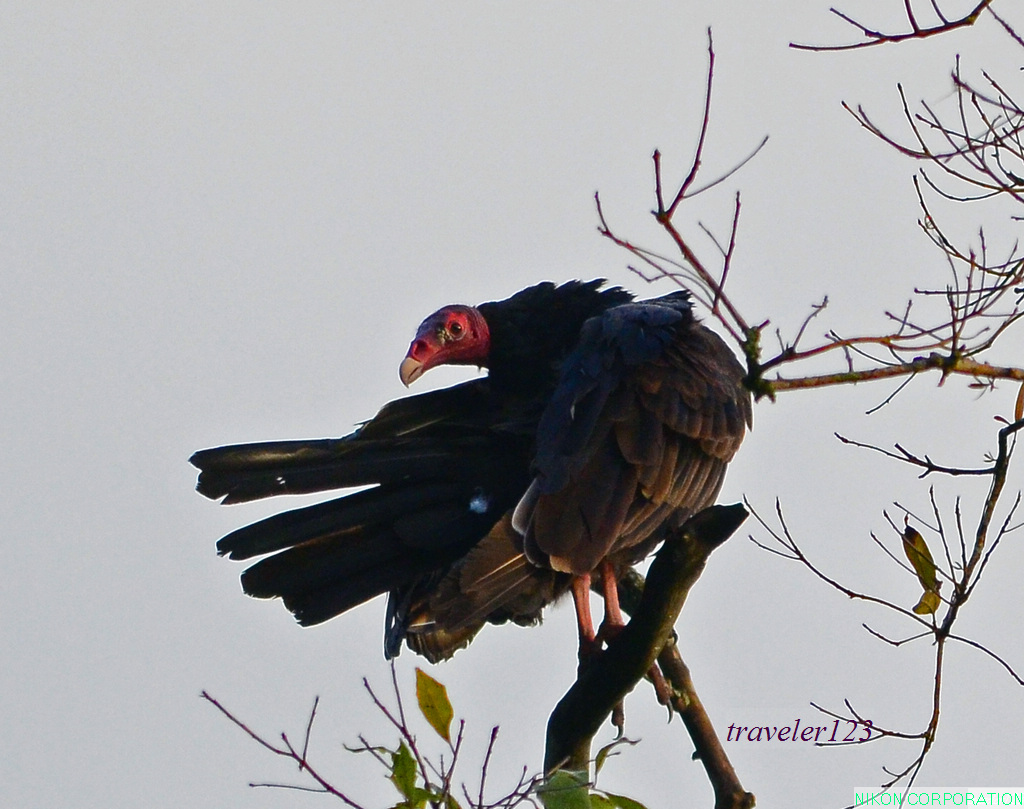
599,801
434,703
920,557
403,772
928,604
622,802
565,789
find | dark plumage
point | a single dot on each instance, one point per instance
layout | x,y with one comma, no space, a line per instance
600,423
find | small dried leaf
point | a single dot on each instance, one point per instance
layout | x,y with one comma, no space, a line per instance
608,750
434,703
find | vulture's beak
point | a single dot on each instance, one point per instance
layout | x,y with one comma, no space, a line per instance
410,370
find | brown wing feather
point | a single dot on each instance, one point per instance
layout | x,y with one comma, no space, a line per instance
493,582
580,523
660,451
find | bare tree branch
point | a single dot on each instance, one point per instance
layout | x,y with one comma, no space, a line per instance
874,36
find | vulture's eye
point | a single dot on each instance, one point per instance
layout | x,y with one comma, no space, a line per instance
456,329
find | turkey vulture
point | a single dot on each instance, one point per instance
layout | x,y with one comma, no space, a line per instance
601,423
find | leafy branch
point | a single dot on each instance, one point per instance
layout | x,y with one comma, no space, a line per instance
420,779
423,780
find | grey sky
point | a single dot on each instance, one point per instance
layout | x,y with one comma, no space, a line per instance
223,222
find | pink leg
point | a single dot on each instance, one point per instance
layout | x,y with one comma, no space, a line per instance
613,623
584,620
610,586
